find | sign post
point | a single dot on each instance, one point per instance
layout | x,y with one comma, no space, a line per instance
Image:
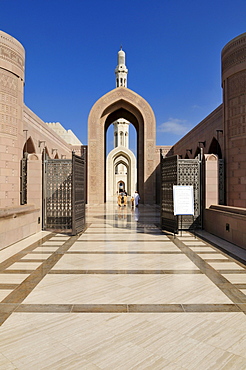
183,201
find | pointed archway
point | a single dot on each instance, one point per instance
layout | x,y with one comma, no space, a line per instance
29,147
121,103
215,148
117,156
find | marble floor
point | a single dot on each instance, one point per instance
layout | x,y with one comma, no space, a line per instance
121,295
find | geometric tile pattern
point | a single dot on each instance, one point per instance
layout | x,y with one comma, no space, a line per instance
122,295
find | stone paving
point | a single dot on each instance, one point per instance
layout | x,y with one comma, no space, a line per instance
122,295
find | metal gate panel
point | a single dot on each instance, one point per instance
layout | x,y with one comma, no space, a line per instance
221,182
189,174
64,194
78,204
176,171
57,194
169,166
23,182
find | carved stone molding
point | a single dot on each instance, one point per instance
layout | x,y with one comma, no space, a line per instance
12,56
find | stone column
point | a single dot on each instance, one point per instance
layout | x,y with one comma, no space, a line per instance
211,180
34,180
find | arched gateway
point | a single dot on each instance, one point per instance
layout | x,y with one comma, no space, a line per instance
121,103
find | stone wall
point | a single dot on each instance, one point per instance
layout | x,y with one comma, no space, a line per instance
43,136
12,60
17,223
21,131
234,96
228,223
206,135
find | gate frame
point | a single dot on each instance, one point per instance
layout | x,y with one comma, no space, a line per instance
78,205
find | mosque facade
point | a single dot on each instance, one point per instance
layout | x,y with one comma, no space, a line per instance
220,137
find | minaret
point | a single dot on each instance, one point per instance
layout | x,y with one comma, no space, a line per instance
121,133
121,70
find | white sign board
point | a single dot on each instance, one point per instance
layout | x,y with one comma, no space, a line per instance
183,200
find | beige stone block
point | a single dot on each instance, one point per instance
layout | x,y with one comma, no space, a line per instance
239,157
211,181
6,187
6,157
234,151
237,237
239,203
6,141
241,224
234,166
240,173
240,188
6,172
233,180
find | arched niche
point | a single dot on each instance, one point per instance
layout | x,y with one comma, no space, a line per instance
121,103
124,156
197,152
29,147
215,148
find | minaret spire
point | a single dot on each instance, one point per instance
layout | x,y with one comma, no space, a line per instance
121,71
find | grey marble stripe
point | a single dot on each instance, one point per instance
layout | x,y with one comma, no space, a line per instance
122,241
240,286
123,252
8,286
17,271
221,271
127,272
127,308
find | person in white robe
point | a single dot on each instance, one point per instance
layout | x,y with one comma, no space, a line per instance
136,198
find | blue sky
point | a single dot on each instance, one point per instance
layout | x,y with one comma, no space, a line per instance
173,50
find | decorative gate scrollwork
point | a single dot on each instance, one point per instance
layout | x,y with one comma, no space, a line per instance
23,182
221,182
79,191
64,194
168,179
189,174
175,171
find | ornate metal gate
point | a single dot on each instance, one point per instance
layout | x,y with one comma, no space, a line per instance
23,181
175,171
78,193
169,167
64,194
221,182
